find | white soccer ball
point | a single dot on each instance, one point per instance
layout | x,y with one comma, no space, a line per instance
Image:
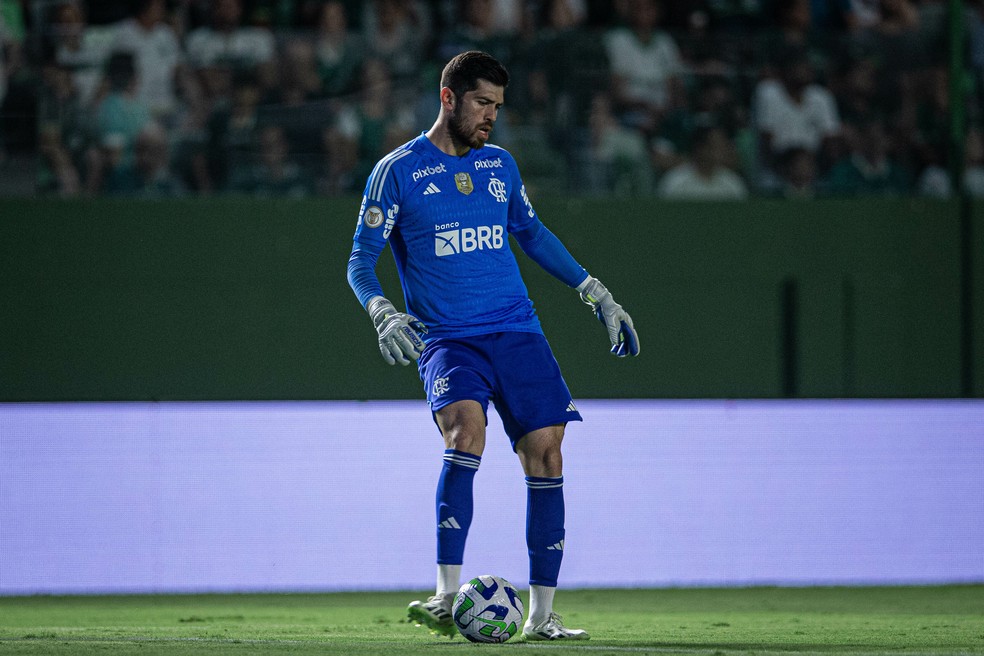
488,609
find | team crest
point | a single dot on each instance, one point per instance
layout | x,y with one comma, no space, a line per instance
498,189
463,182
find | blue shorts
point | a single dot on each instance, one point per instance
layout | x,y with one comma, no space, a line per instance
516,371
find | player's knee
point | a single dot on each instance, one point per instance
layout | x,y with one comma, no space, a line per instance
544,460
552,462
463,425
460,438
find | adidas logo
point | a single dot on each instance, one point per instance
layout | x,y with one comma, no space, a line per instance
431,189
450,522
556,547
571,407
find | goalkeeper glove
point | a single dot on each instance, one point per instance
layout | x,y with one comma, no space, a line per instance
400,334
625,340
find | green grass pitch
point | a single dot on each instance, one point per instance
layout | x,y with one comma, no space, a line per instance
937,620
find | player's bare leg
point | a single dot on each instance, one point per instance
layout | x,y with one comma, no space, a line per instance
463,426
539,453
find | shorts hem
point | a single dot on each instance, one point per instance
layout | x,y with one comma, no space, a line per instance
573,416
437,405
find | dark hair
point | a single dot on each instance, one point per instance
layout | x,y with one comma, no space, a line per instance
463,72
120,70
140,6
703,133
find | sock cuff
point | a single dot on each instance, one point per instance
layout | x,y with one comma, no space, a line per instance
462,459
543,482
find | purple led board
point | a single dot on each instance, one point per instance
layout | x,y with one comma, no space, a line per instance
187,497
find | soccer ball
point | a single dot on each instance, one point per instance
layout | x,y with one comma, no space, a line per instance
488,609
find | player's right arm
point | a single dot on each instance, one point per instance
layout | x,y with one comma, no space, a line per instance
400,334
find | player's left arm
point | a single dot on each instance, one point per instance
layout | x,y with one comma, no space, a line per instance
544,248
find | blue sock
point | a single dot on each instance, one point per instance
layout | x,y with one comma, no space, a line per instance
455,505
545,528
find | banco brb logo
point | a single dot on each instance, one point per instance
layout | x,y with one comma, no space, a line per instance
465,240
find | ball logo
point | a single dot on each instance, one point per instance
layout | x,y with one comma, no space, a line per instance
466,240
487,609
374,217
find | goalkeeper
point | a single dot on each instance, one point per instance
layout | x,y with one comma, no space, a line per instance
446,203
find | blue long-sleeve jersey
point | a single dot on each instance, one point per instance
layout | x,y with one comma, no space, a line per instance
447,220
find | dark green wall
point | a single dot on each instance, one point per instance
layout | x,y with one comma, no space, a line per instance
236,299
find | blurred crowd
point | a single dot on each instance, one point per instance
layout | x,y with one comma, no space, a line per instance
714,99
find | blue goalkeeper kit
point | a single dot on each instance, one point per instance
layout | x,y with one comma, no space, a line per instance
447,220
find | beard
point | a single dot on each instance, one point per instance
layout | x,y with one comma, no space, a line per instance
460,134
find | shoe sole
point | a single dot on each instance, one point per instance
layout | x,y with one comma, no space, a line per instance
421,617
536,637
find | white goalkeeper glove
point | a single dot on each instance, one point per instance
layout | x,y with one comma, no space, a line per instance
400,334
625,340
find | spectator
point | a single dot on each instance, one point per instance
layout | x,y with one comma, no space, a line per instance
568,65
207,91
150,175
226,41
741,16
340,158
475,28
714,104
897,39
157,55
80,48
376,125
896,17
708,48
975,39
296,104
832,16
4,39
935,180
619,157
275,173
395,32
61,133
299,79
798,176
106,12
18,85
646,67
339,50
865,14
855,88
795,112
795,29
231,136
12,17
11,41
707,175
931,113
868,169
120,117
